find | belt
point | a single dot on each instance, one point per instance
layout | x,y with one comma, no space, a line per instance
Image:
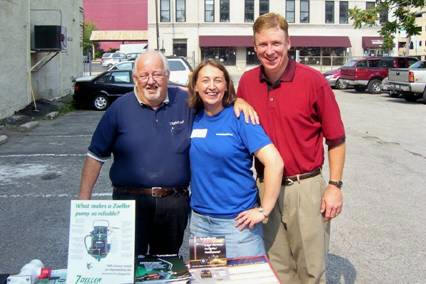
289,180
155,191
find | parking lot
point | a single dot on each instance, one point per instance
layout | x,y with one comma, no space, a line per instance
379,238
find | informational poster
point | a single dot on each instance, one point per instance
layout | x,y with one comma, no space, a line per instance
101,242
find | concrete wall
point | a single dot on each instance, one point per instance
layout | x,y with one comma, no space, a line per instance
195,25
14,44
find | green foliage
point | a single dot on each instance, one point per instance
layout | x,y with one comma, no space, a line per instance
87,31
404,16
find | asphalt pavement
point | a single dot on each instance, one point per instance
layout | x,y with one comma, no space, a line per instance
379,237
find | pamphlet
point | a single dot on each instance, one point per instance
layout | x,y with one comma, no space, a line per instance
207,251
101,242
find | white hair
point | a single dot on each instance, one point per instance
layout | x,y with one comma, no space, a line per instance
152,52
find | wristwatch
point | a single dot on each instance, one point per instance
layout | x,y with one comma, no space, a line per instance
338,183
261,210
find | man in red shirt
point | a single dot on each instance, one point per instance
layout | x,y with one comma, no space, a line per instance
298,111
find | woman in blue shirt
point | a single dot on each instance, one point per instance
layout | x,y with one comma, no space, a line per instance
224,197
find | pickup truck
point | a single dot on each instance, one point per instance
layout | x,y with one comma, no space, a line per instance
368,72
409,82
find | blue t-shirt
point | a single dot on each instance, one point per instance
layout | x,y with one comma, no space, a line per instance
150,147
222,145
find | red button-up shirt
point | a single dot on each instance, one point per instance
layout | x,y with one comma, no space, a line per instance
297,112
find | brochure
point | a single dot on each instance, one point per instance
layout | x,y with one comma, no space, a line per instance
161,269
207,251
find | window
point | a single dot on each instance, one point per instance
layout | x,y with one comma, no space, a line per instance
329,12
175,65
224,10
165,11
179,47
249,10
289,11
209,10
263,7
251,57
225,55
370,5
180,11
383,16
304,11
343,12
120,77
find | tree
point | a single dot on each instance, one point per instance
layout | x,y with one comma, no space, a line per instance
87,31
404,18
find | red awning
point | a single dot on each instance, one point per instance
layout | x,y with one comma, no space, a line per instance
296,41
320,41
372,42
226,41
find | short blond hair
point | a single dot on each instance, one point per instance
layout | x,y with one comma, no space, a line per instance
268,21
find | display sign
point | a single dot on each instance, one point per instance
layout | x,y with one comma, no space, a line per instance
101,242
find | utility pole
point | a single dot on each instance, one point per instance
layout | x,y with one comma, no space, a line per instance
156,25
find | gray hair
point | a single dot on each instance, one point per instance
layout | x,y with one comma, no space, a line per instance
152,52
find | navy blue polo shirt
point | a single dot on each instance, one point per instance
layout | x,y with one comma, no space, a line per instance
150,147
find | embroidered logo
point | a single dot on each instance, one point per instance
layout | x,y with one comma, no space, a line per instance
177,122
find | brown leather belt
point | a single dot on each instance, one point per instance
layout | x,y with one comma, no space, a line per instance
155,191
289,180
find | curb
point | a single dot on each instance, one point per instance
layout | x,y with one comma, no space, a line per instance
28,126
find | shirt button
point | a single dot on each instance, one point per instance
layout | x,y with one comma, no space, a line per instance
271,99
156,120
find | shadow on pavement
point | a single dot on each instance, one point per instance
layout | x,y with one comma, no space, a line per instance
340,270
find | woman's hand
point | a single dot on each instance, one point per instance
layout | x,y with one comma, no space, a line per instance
249,218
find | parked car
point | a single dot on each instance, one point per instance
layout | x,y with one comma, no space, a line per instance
409,82
132,56
180,70
100,91
105,56
333,79
368,72
113,58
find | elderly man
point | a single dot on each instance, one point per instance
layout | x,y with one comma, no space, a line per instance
298,110
148,133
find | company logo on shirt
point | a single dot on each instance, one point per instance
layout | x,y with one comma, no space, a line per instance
177,122
224,134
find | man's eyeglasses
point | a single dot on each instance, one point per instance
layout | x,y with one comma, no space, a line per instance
156,76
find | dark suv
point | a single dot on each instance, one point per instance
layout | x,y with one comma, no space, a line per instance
368,72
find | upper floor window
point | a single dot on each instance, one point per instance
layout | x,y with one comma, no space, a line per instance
224,10
384,16
209,10
329,12
180,10
165,11
304,11
248,10
263,7
343,12
289,11
369,5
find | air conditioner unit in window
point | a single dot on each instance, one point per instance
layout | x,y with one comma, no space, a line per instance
49,38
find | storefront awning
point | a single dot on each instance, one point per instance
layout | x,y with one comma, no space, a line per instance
119,36
226,41
372,42
320,41
296,41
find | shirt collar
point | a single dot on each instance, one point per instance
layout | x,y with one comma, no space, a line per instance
166,100
287,75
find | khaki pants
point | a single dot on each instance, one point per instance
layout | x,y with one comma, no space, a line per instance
296,235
